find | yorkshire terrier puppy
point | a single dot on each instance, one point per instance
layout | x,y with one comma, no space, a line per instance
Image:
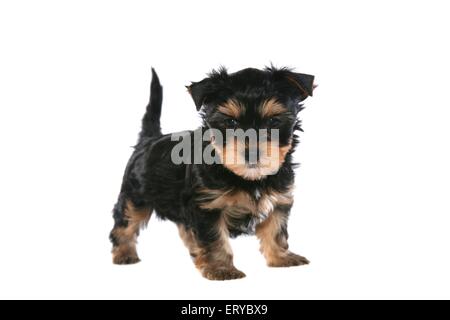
246,189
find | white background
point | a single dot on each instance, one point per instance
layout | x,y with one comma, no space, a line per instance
372,200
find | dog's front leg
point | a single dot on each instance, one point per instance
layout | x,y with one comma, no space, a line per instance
208,244
273,237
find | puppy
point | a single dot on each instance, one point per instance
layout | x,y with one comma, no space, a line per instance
211,201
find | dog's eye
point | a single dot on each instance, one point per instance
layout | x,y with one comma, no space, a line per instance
273,122
230,122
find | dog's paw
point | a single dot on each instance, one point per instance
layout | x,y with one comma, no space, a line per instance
288,259
125,260
223,274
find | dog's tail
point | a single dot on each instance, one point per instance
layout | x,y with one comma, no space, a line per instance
151,126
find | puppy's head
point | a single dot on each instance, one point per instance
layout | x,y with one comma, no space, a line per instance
252,102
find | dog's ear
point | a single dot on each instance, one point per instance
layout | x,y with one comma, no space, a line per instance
207,90
199,91
304,83
300,85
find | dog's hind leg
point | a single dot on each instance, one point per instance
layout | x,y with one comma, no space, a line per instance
128,222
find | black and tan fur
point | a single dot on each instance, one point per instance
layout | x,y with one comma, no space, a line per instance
212,202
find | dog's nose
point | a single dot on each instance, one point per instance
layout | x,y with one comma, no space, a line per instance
251,155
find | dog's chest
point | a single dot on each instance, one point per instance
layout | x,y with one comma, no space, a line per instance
244,210
257,203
